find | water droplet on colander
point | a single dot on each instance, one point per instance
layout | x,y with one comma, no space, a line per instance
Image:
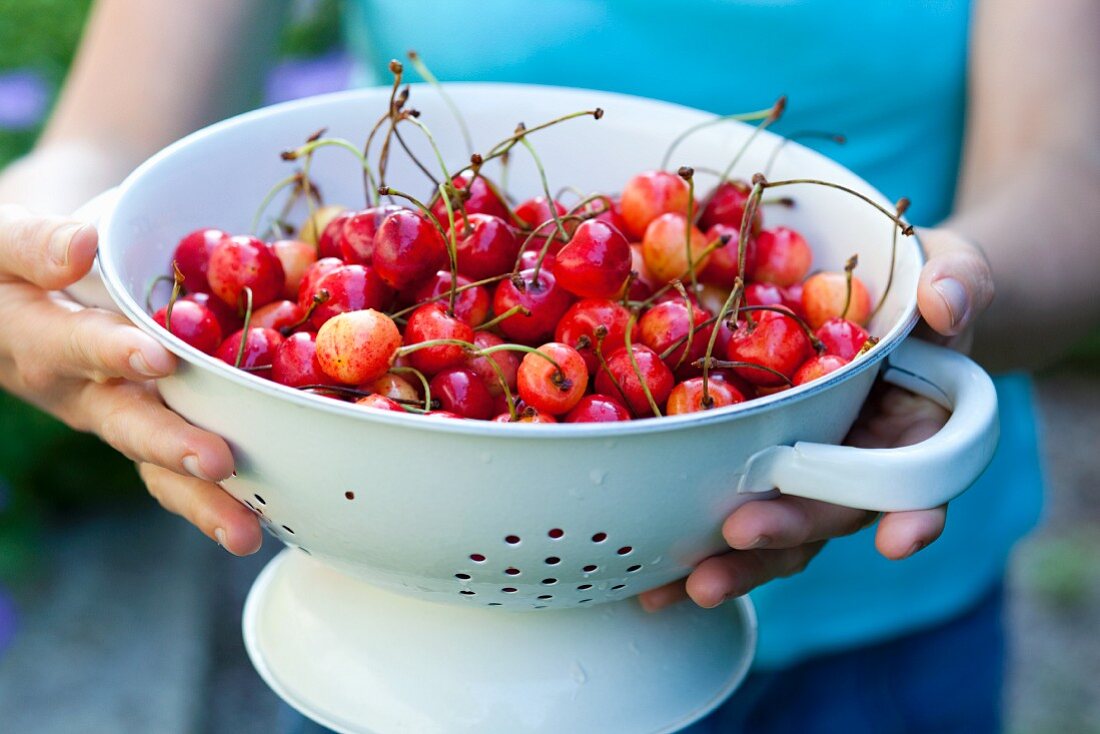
597,476
610,443
580,675
486,458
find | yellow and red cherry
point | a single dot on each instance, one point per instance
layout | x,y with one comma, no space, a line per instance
817,366
380,402
649,195
556,386
357,346
782,256
296,256
664,248
824,296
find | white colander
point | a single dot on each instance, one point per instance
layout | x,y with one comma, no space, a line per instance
488,517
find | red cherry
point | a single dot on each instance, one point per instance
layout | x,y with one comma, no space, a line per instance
817,366
487,247
782,256
687,397
193,323
277,315
530,258
461,391
823,296
774,340
296,364
544,299
380,402
595,262
597,409
408,249
506,361
726,205
243,261
842,338
722,265
471,305
668,322
536,213
260,347
649,195
481,199
443,414
228,318
657,376
553,390
577,328
350,288
527,415
663,248
192,257
357,346
296,257
314,273
356,240
428,323
611,211
328,244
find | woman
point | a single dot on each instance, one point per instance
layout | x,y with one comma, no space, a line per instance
854,643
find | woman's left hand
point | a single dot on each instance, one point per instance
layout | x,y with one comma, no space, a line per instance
776,538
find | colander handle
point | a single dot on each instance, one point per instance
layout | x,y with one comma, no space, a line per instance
89,290
916,477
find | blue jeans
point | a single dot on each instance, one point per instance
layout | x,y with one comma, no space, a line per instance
943,680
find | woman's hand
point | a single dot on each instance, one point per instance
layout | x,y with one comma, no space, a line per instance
93,370
779,537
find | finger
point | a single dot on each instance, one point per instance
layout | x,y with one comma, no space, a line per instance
663,596
901,534
737,573
956,284
50,252
787,522
132,419
206,506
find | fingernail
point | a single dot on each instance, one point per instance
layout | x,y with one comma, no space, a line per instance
191,464
955,297
914,548
60,241
142,366
760,541
219,533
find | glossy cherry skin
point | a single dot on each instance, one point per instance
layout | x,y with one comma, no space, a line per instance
597,409
350,288
380,402
657,376
726,205
260,347
481,199
774,340
228,318
527,415
296,364
314,273
782,256
536,213
668,322
356,239
529,258
193,323
428,323
817,366
544,299
610,210
278,315
768,294
842,338
316,223
462,392
687,397
553,390
577,328
664,251
471,304
595,262
393,386
357,346
649,195
507,362
486,246
823,296
192,257
328,244
240,262
296,257
722,265
408,249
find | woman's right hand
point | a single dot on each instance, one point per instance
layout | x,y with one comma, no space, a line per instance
94,370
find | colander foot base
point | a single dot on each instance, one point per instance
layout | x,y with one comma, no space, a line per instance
361,660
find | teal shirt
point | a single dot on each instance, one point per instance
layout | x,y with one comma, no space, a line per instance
891,76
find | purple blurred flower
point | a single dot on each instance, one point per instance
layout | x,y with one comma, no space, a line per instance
24,97
7,621
298,78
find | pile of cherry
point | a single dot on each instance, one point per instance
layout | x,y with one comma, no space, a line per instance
615,307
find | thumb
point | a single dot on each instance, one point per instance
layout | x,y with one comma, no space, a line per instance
956,284
50,252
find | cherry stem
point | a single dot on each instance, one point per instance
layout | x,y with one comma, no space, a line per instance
906,229
688,174
177,286
634,365
706,362
849,266
526,350
152,287
601,333
460,289
412,157
452,249
550,238
800,135
714,245
751,205
423,383
901,207
786,201
740,117
396,68
545,186
504,146
733,300
691,322
294,178
774,114
867,346
247,291
508,397
319,297
425,73
517,309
